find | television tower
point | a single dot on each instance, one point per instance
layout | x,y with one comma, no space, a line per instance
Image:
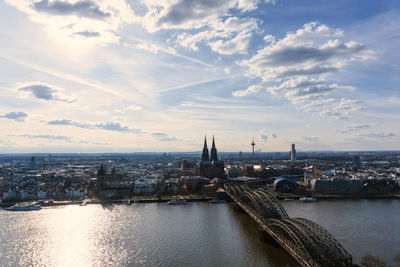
253,144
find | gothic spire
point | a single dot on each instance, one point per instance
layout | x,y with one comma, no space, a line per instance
213,151
205,156
205,143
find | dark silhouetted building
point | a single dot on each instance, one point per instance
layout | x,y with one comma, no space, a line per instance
293,153
252,145
211,166
356,162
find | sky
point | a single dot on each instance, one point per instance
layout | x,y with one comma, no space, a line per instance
159,75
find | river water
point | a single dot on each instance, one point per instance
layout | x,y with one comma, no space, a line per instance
198,234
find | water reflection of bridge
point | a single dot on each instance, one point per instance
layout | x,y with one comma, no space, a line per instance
307,242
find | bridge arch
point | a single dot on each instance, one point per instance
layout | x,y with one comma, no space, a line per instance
305,240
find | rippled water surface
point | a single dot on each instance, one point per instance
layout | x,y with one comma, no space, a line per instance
198,234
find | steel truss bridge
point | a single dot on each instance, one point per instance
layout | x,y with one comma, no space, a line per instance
307,242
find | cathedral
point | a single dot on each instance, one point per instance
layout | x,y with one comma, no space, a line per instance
210,166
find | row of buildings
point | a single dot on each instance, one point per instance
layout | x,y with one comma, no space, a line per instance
77,176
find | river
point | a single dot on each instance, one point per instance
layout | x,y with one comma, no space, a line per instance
198,234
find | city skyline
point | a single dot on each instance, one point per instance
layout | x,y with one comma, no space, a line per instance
138,76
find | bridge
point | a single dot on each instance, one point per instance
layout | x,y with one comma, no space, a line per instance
306,241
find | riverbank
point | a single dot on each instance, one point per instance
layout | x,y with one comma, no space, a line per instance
188,198
339,197
140,199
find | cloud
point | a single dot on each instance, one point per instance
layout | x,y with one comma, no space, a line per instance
310,138
17,116
210,22
301,89
60,138
94,143
306,71
227,37
311,50
86,9
62,75
264,135
299,64
348,104
186,11
163,137
190,14
70,122
342,109
377,135
133,107
156,48
88,34
109,126
45,92
278,55
252,89
68,20
50,137
354,127
64,19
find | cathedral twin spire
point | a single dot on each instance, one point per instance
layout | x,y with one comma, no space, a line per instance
205,156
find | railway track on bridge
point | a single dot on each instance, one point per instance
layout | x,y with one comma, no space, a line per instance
306,241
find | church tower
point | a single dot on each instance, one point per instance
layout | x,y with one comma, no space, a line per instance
210,166
205,156
213,151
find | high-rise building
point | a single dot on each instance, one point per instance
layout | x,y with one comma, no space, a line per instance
293,153
356,162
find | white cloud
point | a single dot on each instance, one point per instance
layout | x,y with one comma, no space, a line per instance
308,51
133,107
252,89
156,48
89,20
227,37
349,105
299,66
190,14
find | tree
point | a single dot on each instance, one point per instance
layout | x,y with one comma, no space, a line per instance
371,261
